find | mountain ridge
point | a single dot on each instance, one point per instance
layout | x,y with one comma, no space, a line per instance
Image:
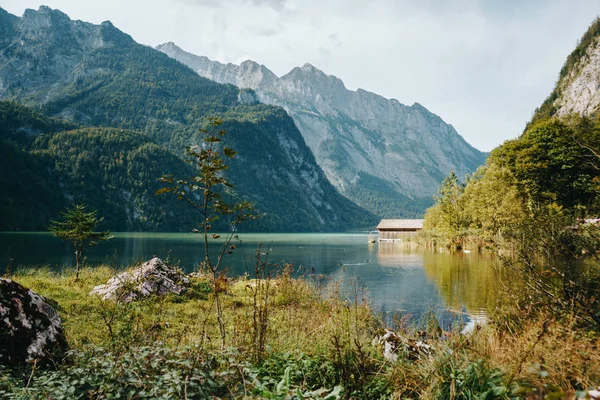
356,135
98,76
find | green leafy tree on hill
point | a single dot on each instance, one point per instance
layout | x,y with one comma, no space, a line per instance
78,228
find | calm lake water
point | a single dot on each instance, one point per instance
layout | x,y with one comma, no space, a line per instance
395,279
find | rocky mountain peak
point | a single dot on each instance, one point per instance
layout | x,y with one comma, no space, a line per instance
309,71
168,46
249,64
311,68
310,84
44,17
254,74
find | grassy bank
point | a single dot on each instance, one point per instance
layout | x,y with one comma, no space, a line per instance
313,346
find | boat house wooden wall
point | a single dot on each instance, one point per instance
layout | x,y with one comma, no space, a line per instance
394,229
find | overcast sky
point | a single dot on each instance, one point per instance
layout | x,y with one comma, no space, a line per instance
481,65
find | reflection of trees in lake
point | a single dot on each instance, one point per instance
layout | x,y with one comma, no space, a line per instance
464,280
393,254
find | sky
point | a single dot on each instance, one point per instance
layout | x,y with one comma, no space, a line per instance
481,65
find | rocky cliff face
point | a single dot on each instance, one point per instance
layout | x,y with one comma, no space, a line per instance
49,48
578,88
387,157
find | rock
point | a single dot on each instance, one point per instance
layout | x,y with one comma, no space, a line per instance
393,343
580,87
30,329
154,277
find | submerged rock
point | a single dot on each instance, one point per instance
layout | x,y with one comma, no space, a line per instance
30,329
154,277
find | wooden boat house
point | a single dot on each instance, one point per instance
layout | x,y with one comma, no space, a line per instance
393,229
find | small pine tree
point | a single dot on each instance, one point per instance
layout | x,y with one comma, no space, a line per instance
78,227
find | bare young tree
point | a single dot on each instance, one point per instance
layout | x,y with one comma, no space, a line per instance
204,192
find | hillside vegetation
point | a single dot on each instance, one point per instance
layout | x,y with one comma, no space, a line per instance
46,167
316,346
536,204
97,76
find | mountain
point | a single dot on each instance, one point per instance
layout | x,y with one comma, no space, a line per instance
578,87
98,76
58,163
383,155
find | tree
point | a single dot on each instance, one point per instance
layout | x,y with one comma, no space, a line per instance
551,166
78,228
206,192
447,215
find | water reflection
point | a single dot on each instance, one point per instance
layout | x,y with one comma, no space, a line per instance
466,281
396,279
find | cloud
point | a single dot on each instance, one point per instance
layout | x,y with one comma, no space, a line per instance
334,40
482,65
207,3
268,30
277,5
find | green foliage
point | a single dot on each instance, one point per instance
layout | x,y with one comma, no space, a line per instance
494,217
552,168
549,165
447,217
29,195
126,166
21,125
379,197
78,228
52,169
476,380
308,376
141,372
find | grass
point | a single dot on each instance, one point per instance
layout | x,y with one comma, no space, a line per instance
316,346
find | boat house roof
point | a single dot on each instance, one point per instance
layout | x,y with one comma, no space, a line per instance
400,224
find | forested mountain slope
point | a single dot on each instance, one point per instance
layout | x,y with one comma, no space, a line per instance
95,75
112,170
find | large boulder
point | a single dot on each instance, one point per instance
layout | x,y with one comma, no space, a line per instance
154,277
30,329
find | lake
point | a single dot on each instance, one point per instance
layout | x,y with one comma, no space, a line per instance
395,279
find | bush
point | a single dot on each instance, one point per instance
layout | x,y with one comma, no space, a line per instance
142,372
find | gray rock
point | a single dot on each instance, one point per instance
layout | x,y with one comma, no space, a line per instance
154,277
580,88
392,343
30,329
